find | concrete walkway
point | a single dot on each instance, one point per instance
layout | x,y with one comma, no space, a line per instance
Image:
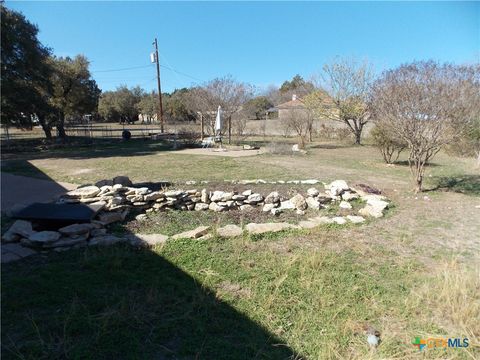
22,190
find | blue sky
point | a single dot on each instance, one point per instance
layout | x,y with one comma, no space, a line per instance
257,42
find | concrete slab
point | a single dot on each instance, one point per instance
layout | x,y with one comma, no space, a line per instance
19,191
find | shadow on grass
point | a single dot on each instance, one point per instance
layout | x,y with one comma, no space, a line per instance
122,303
19,191
333,146
405,163
465,184
82,148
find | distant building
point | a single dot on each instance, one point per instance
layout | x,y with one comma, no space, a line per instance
285,109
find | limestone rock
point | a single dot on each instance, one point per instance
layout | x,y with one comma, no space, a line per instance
68,241
192,234
110,217
377,204
141,217
313,203
10,237
228,231
216,207
309,181
201,206
204,197
18,229
272,198
287,205
76,229
254,198
371,211
104,240
143,240
268,207
237,197
246,207
85,192
299,202
337,187
247,192
254,228
227,196
154,196
355,219
98,232
345,205
44,237
13,252
313,192
142,191
173,193
339,220
216,196
348,196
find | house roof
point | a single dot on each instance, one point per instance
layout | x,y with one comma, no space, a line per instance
292,104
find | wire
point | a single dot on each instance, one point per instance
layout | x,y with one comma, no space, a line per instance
122,69
180,73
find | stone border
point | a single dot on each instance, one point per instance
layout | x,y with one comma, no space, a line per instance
118,199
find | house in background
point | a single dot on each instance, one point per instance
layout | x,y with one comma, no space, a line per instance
285,109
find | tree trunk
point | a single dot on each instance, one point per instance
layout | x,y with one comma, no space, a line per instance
418,185
61,127
229,130
358,137
45,127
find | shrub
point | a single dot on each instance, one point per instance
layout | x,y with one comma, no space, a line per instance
390,147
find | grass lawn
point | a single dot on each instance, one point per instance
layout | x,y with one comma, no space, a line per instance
298,294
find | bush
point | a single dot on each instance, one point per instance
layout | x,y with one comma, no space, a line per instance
390,147
334,133
468,144
279,148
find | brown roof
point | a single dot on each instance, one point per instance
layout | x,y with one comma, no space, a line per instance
292,104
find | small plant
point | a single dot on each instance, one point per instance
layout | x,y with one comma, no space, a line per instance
389,146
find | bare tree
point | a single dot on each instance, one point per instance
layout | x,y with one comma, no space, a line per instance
299,121
427,105
348,84
225,92
389,144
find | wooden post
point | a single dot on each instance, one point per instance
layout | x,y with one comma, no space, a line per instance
160,109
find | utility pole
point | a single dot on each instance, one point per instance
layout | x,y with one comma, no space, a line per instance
160,112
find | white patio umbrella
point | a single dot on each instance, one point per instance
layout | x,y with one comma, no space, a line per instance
218,121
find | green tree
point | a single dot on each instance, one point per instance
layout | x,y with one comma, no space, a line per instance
177,107
74,92
121,105
256,107
148,106
106,107
25,70
297,84
126,103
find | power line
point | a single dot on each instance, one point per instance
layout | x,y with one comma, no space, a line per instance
180,73
123,69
